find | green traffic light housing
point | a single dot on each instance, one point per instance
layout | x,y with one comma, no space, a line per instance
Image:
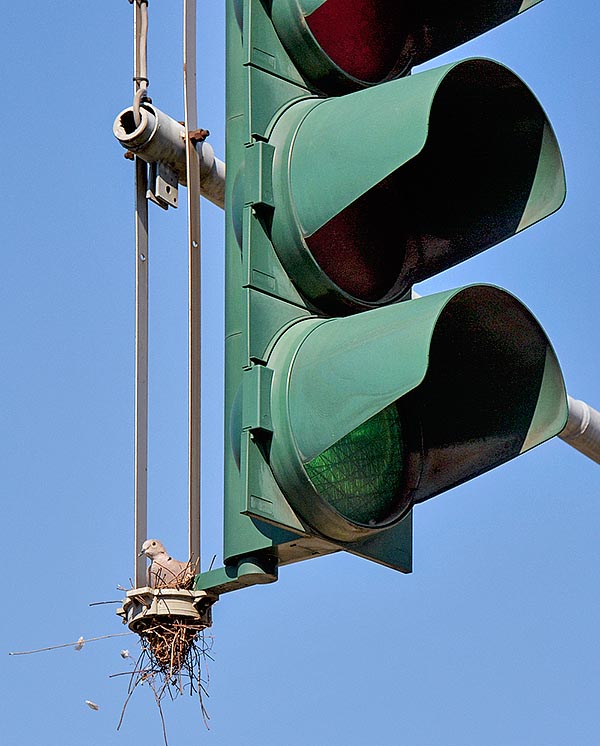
413,177
350,180
342,45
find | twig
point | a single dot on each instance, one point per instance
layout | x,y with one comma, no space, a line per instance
129,696
136,670
160,712
140,671
70,644
172,657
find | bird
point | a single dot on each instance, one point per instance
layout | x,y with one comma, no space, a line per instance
164,571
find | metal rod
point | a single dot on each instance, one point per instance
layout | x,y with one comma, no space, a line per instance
141,328
193,205
582,430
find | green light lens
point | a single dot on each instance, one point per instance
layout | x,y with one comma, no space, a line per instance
361,475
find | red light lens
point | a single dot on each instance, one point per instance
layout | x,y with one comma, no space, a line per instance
365,38
360,249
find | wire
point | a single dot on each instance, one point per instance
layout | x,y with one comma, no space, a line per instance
71,644
141,72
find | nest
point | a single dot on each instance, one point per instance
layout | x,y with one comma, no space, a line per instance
171,622
172,648
173,660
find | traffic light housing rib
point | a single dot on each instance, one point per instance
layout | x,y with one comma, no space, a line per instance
347,403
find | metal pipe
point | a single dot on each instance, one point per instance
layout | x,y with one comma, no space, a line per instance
158,137
582,430
212,175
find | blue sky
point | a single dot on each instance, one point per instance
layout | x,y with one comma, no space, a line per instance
492,640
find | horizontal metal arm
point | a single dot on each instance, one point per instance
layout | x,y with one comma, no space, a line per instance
158,138
582,430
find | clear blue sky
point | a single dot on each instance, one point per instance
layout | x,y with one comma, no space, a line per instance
493,640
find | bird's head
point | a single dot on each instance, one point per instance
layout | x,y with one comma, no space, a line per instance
152,548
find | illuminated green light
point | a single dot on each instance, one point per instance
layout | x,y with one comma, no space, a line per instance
361,475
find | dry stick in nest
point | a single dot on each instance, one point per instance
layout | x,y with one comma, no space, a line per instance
148,670
172,655
184,580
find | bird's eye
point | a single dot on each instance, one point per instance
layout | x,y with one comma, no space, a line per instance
153,543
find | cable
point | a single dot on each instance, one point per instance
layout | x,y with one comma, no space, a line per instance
141,72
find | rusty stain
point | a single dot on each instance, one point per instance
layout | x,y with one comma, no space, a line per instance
198,135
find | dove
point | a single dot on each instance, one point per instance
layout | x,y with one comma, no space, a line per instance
164,571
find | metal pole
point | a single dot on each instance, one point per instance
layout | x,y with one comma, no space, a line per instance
582,430
141,326
193,204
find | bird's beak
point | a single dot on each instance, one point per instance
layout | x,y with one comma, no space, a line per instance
141,553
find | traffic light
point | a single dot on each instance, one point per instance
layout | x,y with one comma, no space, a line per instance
350,178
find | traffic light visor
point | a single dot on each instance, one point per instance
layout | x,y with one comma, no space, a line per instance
376,412
382,188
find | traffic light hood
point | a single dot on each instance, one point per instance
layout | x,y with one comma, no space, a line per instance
382,188
340,45
377,411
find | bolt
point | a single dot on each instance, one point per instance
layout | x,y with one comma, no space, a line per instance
199,135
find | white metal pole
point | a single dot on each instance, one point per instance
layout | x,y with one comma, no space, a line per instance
141,320
582,430
193,205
